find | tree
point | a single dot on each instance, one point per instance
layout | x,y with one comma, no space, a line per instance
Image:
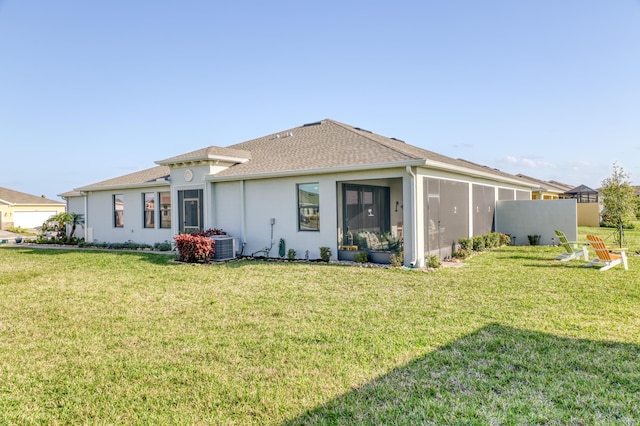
60,221
619,200
75,219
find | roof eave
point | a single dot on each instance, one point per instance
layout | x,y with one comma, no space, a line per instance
477,173
153,184
201,159
319,171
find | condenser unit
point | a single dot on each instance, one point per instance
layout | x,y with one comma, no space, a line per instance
225,247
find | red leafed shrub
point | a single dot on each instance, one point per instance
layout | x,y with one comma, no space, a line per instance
194,248
209,232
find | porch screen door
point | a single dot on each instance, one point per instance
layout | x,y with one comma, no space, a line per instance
190,202
366,210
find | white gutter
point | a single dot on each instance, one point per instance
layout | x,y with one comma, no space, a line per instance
124,186
414,231
325,170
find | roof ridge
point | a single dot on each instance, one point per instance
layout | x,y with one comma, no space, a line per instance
354,130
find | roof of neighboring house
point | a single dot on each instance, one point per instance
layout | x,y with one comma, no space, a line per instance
325,145
152,175
548,186
9,196
581,189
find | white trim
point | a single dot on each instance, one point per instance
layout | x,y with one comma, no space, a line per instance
322,171
154,184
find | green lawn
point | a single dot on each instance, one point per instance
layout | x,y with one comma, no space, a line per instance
513,337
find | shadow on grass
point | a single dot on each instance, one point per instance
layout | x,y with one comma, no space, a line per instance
499,375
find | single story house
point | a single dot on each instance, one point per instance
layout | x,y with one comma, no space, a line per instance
18,209
323,184
546,190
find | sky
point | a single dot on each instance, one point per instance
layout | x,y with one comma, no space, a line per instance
94,90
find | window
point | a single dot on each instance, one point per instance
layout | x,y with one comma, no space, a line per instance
118,211
149,200
308,207
165,209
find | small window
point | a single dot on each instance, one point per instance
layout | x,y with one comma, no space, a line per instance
165,209
308,207
149,200
118,211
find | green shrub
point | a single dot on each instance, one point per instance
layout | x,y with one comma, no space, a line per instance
291,254
626,225
478,243
361,257
397,259
325,253
433,261
465,243
505,239
18,230
461,253
164,246
534,240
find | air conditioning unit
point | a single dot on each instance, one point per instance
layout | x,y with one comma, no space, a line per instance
225,248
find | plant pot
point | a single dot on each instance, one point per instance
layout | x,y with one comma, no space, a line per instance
382,257
18,240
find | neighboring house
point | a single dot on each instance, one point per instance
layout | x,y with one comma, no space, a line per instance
324,184
18,209
546,190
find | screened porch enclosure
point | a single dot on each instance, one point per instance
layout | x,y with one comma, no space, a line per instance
370,218
446,215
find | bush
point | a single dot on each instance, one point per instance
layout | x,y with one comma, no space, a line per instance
534,240
291,254
397,259
165,246
461,253
626,225
361,257
433,261
478,243
465,243
194,248
18,230
209,232
325,253
505,239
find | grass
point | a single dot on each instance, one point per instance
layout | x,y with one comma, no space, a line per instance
631,236
513,337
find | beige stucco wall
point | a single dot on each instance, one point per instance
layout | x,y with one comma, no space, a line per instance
588,214
7,212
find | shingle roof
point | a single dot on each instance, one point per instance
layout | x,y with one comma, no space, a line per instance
143,176
550,186
211,152
322,145
17,197
330,144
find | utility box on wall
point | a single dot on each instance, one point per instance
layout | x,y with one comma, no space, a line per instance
521,218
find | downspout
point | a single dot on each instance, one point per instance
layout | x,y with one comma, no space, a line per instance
414,238
243,226
86,217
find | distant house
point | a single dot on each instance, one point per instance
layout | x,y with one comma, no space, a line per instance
546,190
18,209
323,184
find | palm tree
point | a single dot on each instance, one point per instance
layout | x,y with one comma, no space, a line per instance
75,219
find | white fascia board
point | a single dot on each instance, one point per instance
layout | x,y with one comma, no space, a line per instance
9,203
201,159
477,173
85,189
323,171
